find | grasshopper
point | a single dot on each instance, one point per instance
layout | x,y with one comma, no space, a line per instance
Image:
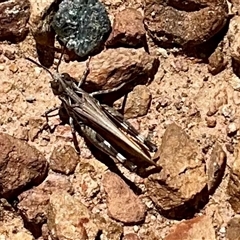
101,125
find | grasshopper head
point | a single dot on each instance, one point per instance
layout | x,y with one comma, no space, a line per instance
57,84
60,82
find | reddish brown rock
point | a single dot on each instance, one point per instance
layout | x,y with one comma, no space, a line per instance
128,29
64,159
211,121
11,224
114,67
138,102
14,16
123,204
20,166
182,182
173,23
196,228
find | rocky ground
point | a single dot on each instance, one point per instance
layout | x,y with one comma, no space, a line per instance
181,65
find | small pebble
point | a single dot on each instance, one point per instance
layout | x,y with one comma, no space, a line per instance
135,228
163,52
13,68
178,105
37,70
2,59
222,230
232,128
205,79
162,103
229,148
9,119
211,122
46,138
227,111
30,99
212,110
2,67
153,218
9,54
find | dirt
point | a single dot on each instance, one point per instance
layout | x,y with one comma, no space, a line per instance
203,104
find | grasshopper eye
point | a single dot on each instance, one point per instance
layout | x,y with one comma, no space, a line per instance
65,76
56,87
68,80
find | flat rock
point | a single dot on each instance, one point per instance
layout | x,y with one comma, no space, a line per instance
66,217
11,224
138,102
182,182
113,67
128,29
14,16
196,228
172,22
123,204
234,182
20,166
64,159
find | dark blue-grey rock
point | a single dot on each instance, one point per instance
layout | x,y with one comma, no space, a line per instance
82,25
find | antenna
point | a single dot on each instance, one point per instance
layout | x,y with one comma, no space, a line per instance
39,65
61,56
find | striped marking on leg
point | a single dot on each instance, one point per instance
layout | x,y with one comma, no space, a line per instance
98,141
